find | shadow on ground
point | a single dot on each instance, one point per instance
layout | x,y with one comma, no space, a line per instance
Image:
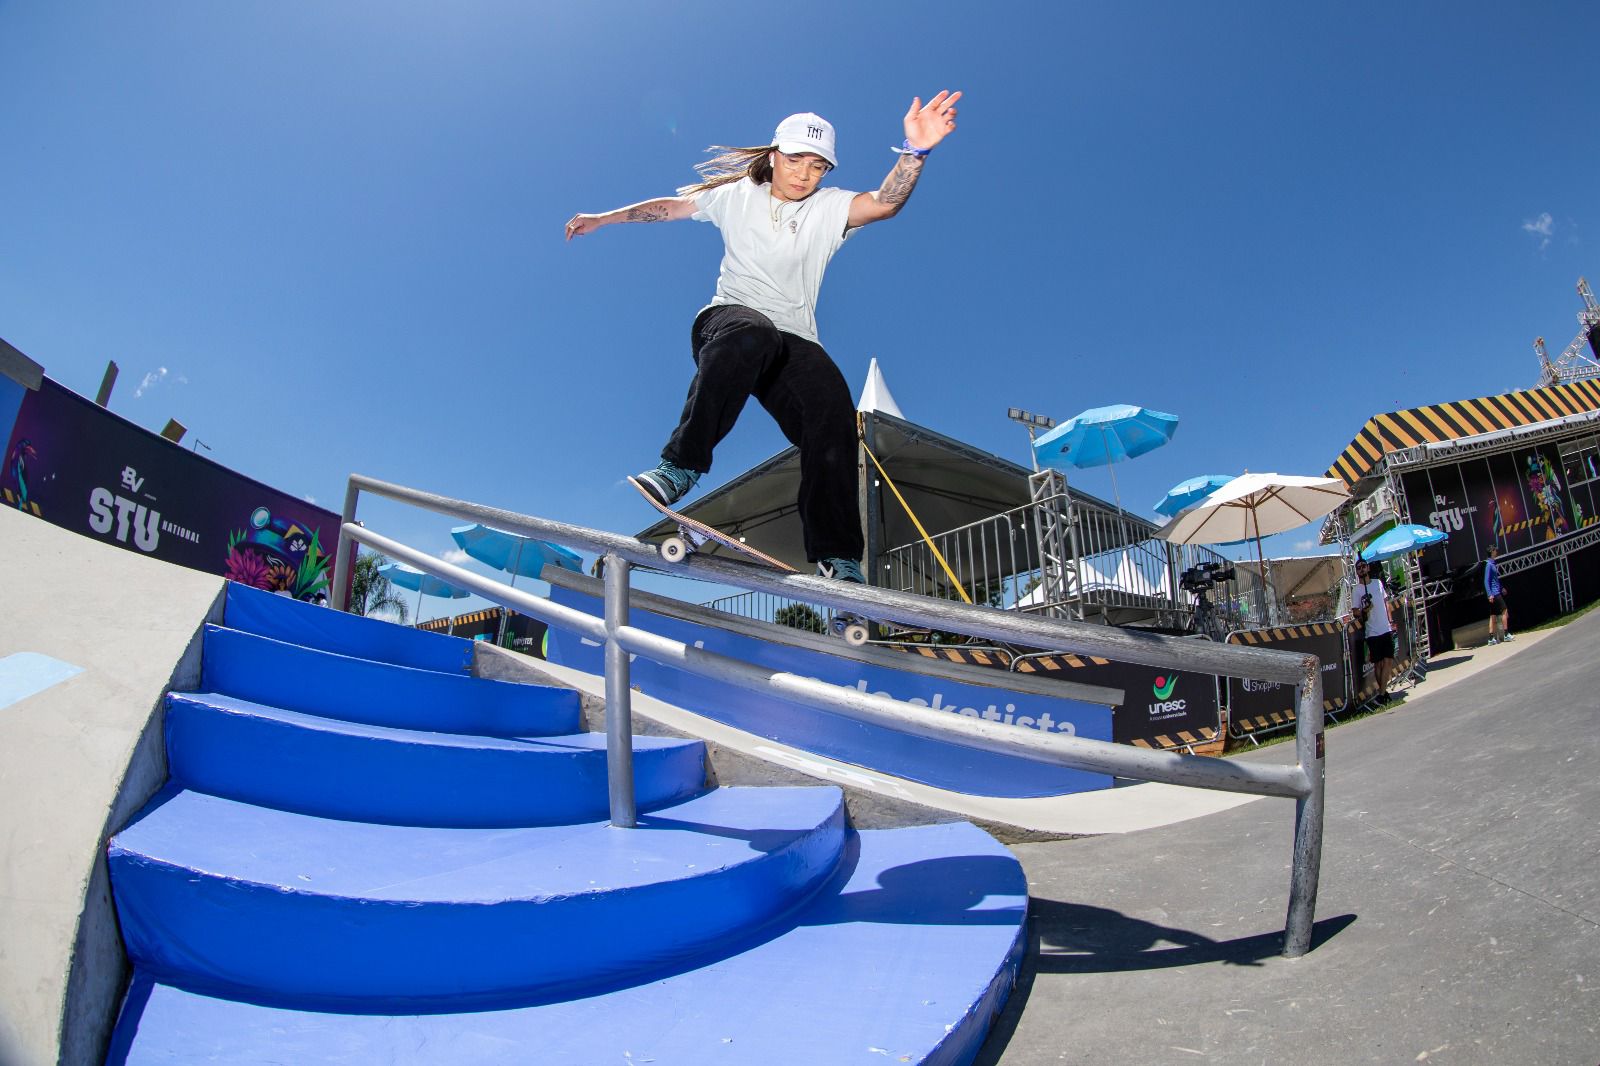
1072,938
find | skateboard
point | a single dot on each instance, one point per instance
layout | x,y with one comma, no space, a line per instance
693,533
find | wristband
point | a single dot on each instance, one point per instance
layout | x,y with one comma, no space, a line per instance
906,149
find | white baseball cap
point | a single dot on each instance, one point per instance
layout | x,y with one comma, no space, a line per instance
806,132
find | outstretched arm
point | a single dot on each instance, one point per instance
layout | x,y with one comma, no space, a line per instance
925,125
661,209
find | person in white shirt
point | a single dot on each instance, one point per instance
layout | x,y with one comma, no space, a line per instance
1373,601
758,336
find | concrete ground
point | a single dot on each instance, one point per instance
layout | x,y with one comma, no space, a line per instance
1459,913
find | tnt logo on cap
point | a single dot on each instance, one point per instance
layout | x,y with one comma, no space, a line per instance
806,132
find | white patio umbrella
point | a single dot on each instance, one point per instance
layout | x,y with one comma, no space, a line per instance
1252,506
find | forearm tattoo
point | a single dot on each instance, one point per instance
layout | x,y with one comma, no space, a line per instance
896,188
646,213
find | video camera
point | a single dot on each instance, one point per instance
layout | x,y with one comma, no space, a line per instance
1199,578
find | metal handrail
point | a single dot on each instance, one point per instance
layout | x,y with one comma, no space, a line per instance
1302,782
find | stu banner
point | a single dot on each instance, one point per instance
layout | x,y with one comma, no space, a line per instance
79,466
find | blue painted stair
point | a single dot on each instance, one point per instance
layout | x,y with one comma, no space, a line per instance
367,855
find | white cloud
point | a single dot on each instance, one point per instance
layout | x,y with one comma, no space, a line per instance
1305,546
156,377
151,380
456,557
1543,227
309,498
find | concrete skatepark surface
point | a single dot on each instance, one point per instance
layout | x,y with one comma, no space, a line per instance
1459,914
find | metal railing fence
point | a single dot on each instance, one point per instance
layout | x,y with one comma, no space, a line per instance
1302,782
1113,561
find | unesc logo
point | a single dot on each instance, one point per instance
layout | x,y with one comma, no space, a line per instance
1165,706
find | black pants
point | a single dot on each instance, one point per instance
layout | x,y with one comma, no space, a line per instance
739,353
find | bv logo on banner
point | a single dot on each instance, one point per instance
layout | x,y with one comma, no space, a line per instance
77,465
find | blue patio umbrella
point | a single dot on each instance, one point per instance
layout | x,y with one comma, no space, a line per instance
424,584
1400,540
1102,436
1185,494
517,555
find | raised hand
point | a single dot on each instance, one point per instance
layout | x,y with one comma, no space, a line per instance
928,124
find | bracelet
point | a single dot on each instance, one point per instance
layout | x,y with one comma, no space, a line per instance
907,149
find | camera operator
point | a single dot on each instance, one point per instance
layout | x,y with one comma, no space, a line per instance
1372,608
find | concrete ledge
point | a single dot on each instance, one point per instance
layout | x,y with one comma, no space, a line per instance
77,758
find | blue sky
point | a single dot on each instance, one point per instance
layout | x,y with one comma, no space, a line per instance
328,237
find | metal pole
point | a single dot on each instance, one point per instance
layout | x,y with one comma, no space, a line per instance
619,708
345,552
505,612
1308,742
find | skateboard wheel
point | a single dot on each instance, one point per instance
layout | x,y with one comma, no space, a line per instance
674,549
855,634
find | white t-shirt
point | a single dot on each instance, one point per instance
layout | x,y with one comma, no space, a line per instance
1378,617
775,251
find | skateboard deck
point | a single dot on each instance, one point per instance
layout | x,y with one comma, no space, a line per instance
693,533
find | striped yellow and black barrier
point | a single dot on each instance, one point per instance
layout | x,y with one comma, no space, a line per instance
1258,707
995,658
1186,738
30,507
460,621
1044,664
1457,419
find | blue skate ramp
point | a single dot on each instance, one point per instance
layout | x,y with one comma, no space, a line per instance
901,957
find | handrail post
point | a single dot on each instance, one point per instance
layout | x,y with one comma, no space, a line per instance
345,552
619,709
1307,868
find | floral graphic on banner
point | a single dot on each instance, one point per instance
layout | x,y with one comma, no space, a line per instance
277,555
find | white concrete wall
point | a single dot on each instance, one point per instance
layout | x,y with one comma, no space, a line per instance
76,761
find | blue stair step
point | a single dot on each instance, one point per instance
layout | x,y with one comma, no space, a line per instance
281,618
280,674
223,896
348,770
905,956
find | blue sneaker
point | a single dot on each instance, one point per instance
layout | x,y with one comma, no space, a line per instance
840,569
668,482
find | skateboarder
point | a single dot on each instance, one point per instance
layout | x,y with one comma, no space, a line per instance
758,336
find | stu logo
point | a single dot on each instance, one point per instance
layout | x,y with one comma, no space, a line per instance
125,516
1448,519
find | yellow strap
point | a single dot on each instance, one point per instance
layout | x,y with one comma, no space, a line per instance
951,574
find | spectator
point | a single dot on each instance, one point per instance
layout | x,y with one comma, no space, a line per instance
1497,599
1373,602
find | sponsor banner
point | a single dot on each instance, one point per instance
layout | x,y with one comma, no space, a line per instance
523,634
924,759
1160,708
1514,499
77,465
1272,702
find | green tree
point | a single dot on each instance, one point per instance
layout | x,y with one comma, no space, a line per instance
800,616
370,591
